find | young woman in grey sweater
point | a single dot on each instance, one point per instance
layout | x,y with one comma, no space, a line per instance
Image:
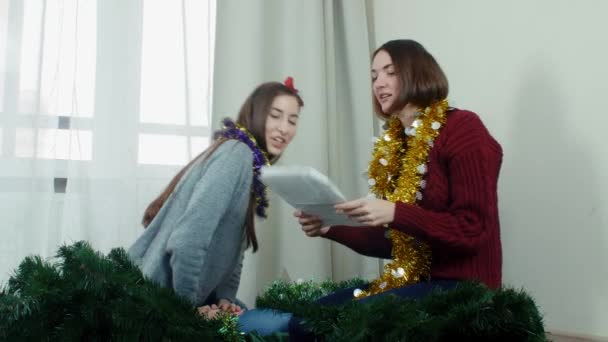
200,225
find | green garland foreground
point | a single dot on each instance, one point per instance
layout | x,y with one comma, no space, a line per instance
86,296
471,311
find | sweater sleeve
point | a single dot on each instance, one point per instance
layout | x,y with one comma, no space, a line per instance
229,286
369,241
472,172
228,173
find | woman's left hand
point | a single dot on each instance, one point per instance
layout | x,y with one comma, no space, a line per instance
368,211
229,307
211,311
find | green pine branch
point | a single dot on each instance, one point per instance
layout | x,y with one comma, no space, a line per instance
84,295
471,312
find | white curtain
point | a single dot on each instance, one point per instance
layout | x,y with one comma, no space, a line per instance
325,46
101,102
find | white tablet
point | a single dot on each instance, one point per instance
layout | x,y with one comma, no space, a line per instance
307,189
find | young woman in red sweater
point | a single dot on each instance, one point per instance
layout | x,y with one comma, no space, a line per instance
434,174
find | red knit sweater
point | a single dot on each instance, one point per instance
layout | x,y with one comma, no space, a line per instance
458,215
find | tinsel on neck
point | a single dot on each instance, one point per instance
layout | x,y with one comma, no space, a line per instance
396,172
232,130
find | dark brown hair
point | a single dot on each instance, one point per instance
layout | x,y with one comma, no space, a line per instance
252,116
422,80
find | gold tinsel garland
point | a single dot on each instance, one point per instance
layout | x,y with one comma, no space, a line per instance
396,174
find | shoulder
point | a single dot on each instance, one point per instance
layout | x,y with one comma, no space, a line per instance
464,130
235,148
233,152
230,158
462,119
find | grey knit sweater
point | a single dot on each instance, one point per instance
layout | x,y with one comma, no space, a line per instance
195,243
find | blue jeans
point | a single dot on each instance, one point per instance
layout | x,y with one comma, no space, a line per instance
264,321
267,322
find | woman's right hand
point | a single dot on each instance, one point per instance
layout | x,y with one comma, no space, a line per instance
208,311
311,225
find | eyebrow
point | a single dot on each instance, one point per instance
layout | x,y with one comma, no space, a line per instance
280,111
384,67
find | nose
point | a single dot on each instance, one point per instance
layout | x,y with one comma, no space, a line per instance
380,82
282,127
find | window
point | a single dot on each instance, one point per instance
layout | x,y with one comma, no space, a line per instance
48,143
57,59
181,147
3,47
53,53
48,78
175,80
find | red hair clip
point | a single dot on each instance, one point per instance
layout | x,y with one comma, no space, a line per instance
289,84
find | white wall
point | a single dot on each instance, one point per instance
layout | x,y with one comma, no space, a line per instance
536,72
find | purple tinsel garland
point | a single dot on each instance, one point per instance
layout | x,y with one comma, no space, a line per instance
233,131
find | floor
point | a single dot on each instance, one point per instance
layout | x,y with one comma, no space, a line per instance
562,338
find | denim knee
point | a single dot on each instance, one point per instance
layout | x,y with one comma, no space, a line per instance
264,321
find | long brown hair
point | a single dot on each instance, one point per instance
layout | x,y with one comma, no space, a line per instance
422,80
252,116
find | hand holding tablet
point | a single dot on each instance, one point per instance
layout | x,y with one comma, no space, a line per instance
307,189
